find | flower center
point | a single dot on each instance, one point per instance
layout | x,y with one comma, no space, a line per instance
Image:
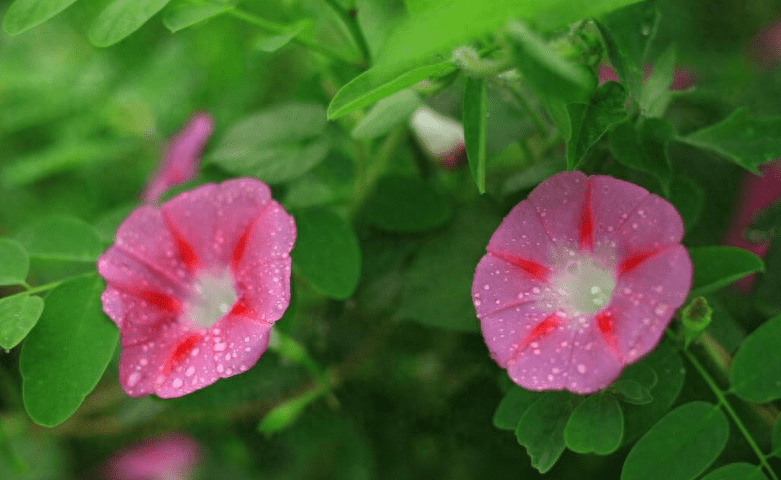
583,285
213,295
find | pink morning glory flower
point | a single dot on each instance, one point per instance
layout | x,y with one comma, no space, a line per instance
195,284
682,78
756,194
441,137
181,158
165,458
580,279
766,45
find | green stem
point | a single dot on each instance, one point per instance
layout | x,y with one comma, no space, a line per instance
290,349
365,182
47,286
355,29
539,123
275,27
723,402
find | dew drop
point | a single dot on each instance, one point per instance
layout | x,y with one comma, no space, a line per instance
190,371
582,368
218,347
220,368
133,379
177,383
535,290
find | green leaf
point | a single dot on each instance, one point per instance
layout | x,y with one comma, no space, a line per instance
512,407
406,204
66,353
769,284
438,28
436,290
590,121
736,471
271,43
14,262
18,315
23,15
475,117
669,369
61,238
541,429
775,438
285,414
386,114
741,138
544,69
627,34
275,145
595,426
635,384
688,197
121,18
754,374
656,94
696,431
716,267
326,252
377,83
645,148
766,224
185,13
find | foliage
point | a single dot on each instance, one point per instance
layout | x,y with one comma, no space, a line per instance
378,369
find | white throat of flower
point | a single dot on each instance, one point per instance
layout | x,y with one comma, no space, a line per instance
212,296
583,285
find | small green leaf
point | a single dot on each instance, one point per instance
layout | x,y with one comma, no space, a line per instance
386,114
545,71
61,238
285,414
326,252
754,374
276,145
669,369
377,83
696,431
741,138
644,148
23,15
635,384
14,262
271,43
656,94
716,267
590,121
65,354
18,315
512,407
406,204
627,33
186,13
541,429
766,224
595,426
474,117
121,18
736,471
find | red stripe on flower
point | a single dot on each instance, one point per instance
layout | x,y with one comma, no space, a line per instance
240,309
551,323
606,326
636,260
238,252
536,270
178,353
186,252
586,226
163,302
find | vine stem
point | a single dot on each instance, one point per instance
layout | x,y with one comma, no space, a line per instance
46,287
723,402
275,27
352,25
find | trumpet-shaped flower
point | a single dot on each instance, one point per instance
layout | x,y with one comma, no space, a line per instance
441,137
195,285
181,158
171,457
579,280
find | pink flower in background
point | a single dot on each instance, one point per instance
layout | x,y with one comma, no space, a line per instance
580,279
195,285
756,194
766,45
164,458
440,136
181,158
682,78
